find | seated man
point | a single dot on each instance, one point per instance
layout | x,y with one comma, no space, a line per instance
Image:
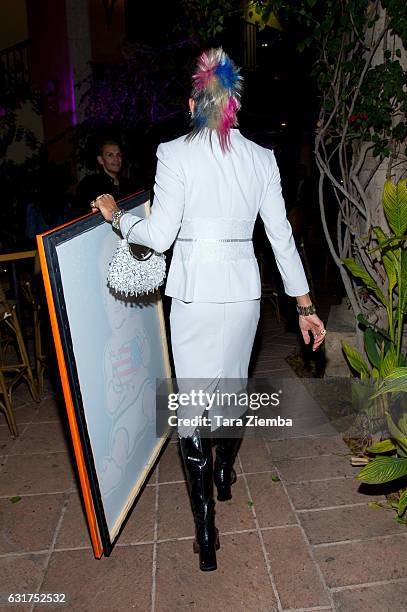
107,180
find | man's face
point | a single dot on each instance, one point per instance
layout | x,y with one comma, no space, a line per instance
111,158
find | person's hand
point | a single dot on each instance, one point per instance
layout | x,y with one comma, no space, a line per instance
106,204
312,323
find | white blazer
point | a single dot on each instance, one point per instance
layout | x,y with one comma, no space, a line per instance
208,201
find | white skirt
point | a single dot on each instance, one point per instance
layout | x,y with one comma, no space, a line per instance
211,342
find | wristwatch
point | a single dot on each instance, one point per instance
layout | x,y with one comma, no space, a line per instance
116,215
306,310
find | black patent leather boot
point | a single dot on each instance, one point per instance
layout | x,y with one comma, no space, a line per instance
196,453
224,475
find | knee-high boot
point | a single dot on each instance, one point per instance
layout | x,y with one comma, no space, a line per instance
196,452
224,475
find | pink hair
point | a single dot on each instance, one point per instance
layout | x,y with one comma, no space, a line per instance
228,119
205,72
216,91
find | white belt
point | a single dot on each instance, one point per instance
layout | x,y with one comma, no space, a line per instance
213,250
214,239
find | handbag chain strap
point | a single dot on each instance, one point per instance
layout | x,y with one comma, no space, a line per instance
143,256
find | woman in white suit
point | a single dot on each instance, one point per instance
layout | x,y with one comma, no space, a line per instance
210,186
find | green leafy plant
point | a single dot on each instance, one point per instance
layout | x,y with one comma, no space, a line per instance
383,347
390,462
205,19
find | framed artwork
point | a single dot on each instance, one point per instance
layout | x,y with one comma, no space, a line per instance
110,352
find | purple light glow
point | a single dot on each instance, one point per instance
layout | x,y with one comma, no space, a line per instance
72,96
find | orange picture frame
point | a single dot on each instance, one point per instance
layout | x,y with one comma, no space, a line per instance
101,538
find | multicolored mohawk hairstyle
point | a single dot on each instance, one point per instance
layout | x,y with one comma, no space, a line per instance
216,91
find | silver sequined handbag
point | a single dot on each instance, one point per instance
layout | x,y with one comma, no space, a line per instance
135,270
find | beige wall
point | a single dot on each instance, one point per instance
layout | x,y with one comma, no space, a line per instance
13,23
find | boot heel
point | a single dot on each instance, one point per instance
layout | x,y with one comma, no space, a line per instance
207,555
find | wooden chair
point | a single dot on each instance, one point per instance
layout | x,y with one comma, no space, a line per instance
13,367
40,359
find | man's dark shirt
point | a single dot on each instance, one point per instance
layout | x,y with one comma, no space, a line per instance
94,185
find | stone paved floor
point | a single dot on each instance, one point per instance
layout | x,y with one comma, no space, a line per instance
296,536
